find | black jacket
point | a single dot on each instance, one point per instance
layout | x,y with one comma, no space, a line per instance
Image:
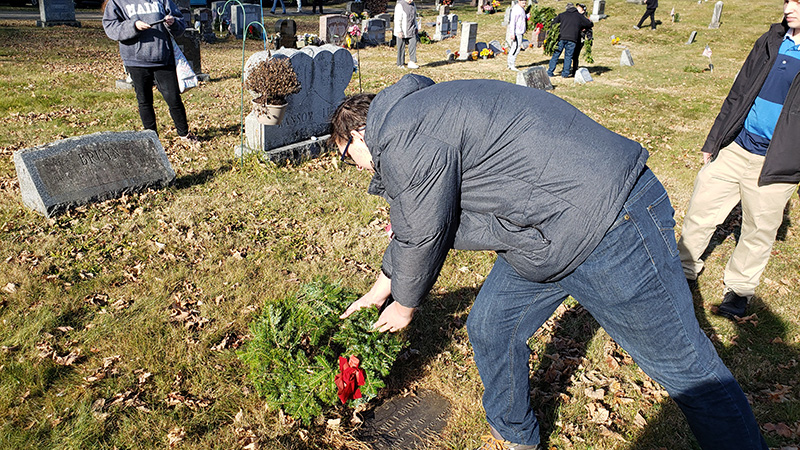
489,165
782,162
652,4
572,22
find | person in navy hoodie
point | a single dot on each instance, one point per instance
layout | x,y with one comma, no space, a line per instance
143,29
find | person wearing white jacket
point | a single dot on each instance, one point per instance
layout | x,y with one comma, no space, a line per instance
405,30
516,30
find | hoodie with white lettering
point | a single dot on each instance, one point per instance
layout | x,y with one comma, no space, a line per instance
147,48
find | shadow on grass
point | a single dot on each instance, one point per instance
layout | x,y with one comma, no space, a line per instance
202,177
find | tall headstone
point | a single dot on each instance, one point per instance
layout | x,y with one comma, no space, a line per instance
217,11
355,7
79,170
582,76
534,77
205,17
286,30
324,72
442,30
469,33
373,31
626,59
243,15
598,11
715,18
453,25
444,10
57,12
691,38
332,28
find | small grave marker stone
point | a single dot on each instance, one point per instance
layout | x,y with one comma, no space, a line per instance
407,422
469,33
535,77
692,38
496,47
79,170
506,15
626,59
582,76
57,12
598,11
715,18
332,28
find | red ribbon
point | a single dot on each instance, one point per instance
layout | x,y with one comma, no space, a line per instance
349,378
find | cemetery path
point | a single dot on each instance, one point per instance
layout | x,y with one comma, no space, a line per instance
33,14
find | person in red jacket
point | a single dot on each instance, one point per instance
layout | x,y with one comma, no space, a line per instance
752,156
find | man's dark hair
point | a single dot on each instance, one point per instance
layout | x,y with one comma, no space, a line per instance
350,115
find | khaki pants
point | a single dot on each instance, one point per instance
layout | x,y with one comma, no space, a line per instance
719,186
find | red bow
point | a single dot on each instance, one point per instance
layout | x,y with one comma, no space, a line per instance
349,378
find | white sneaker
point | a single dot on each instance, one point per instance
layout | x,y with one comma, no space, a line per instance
635,27
412,65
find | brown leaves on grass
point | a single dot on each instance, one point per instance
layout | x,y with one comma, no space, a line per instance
783,430
46,351
175,436
184,309
179,399
107,370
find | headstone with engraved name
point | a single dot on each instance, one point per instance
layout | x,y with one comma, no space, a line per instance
217,11
626,59
442,30
469,33
75,171
453,25
57,12
241,16
444,10
691,38
324,72
410,422
717,16
598,11
373,31
332,28
535,77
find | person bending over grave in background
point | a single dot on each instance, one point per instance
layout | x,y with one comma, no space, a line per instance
586,34
587,219
143,30
572,23
751,156
515,31
650,11
405,32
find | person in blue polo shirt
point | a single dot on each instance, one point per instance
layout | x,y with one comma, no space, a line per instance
752,155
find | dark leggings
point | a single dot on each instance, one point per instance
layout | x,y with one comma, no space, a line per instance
167,82
652,14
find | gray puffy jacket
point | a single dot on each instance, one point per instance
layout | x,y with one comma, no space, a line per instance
488,165
148,48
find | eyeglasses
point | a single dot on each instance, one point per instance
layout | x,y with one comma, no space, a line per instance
346,158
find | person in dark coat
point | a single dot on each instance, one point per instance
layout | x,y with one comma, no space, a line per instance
752,157
570,208
586,34
572,24
650,12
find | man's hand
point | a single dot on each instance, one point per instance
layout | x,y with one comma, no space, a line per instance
394,318
141,26
706,157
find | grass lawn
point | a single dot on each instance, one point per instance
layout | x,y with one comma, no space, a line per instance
120,321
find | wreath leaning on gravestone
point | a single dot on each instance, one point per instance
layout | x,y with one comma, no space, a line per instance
303,358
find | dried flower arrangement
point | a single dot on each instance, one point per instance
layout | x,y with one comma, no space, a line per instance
271,81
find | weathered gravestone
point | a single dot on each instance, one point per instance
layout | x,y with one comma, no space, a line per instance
469,33
324,73
479,46
535,77
715,18
453,24
189,43
332,28
79,170
626,59
223,15
496,47
57,12
286,30
691,38
373,31
354,7
444,10
598,11
582,76
442,30
412,422
241,16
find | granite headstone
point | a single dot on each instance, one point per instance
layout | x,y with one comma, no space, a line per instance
79,170
332,28
373,31
241,16
582,76
717,16
57,12
534,77
469,33
626,59
691,38
324,72
598,11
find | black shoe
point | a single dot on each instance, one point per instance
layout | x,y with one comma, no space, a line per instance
732,306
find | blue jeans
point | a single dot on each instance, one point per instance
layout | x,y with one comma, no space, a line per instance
633,285
568,47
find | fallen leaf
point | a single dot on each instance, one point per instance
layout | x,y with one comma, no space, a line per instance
10,288
175,436
639,420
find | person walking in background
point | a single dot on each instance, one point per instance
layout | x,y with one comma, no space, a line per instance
405,31
145,44
586,34
317,3
650,11
570,208
572,23
517,23
752,156
275,3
